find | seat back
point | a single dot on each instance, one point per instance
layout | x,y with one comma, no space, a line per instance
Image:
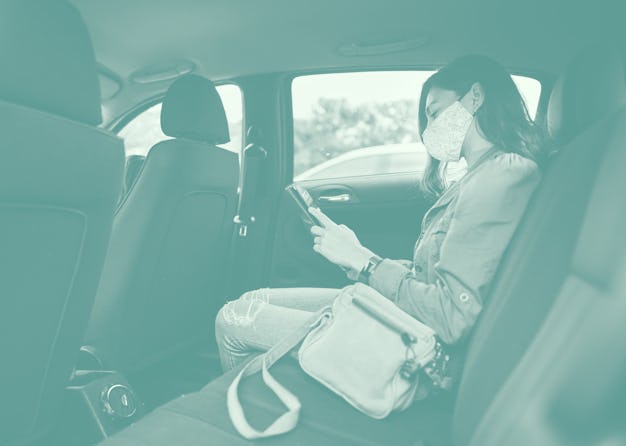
569,388
166,263
134,164
539,256
59,182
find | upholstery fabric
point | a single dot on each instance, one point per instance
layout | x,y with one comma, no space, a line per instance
192,109
592,88
47,59
538,260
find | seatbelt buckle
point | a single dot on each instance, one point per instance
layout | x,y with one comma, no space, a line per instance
242,225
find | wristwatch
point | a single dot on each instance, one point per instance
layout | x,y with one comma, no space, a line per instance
368,269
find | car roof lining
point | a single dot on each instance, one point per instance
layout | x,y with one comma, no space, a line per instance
225,40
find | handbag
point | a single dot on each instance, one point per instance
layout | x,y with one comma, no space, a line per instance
363,347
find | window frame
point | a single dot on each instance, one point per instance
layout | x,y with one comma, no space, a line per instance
545,79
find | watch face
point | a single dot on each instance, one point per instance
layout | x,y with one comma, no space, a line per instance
372,264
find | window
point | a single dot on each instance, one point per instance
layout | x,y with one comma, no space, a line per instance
365,123
144,131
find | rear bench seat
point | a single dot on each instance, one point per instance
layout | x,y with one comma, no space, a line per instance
585,102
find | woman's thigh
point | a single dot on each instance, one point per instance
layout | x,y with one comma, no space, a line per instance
305,299
261,318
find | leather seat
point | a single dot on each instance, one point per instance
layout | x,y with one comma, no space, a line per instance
574,371
583,114
535,267
164,274
60,178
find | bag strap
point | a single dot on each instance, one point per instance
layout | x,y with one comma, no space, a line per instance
287,421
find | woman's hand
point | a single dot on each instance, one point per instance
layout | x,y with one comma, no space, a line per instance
339,244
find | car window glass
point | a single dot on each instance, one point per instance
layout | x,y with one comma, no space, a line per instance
365,123
144,131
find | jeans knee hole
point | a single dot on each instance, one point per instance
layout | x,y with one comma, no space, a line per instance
236,314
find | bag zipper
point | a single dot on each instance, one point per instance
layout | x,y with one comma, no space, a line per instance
405,334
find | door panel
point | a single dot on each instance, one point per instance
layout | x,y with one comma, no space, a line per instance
348,124
384,211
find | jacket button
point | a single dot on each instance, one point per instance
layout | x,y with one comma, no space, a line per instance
464,297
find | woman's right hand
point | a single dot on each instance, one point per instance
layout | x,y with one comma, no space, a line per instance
339,244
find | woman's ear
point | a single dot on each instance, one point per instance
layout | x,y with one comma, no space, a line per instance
474,98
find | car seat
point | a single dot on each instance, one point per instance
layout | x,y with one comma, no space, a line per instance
164,273
60,179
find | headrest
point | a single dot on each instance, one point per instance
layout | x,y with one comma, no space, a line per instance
192,109
47,59
591,87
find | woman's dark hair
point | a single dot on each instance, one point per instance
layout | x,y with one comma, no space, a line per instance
502,119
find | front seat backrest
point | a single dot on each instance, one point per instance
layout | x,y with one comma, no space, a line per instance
134,164
164,273
539,256
59,182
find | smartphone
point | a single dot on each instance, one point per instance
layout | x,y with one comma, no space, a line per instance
303,200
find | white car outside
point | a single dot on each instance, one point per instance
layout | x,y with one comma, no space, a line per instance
378,160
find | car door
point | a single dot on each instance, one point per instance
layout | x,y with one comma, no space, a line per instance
384,212
355,149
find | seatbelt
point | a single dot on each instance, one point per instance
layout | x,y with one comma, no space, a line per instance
252,166
252,161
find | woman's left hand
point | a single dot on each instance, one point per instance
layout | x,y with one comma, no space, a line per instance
339,244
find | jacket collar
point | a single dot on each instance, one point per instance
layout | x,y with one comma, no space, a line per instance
451,192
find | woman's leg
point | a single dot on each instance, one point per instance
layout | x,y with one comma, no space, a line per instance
260,318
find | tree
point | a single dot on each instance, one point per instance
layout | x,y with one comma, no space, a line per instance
337,126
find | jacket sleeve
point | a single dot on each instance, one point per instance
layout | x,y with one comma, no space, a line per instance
487,211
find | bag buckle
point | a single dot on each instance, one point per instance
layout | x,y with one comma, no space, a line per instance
410,367
408,339
436,369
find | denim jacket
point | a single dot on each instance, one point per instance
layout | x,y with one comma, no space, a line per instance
463,237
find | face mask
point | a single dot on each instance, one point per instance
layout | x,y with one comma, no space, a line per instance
444,136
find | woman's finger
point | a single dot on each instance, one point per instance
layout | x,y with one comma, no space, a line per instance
317,230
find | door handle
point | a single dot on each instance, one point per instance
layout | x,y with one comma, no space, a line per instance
341,198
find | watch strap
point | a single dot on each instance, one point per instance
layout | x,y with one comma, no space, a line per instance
369,268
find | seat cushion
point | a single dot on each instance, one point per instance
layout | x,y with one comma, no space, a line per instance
201,418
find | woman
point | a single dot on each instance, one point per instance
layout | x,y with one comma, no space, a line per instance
470,109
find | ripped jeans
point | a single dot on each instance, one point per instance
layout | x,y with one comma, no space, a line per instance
261,318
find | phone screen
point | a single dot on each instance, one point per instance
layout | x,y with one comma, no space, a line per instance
304,200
